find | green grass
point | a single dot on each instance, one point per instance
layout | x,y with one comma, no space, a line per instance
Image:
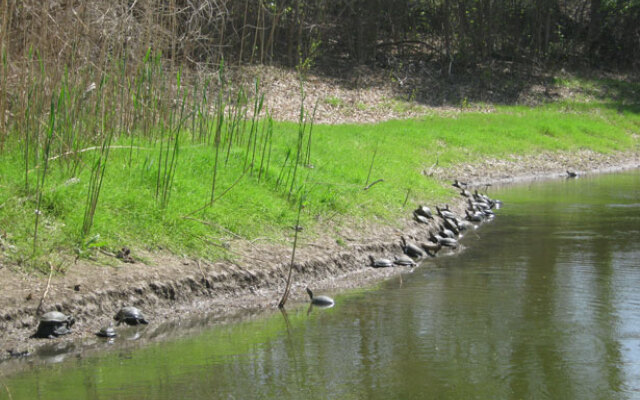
128,212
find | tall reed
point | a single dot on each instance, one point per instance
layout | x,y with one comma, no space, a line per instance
43,174
97,173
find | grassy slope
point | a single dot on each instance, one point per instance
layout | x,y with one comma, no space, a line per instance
341,155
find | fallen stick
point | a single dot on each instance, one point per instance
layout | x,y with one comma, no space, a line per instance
372,183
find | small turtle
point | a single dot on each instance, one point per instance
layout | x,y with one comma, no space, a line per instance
444,232
431,248
424,211
572,174
444,241
452,225
445,212
107,332
130,316
404,260
476,216
411,249
323,301
380,262
420,218
459,185
54,324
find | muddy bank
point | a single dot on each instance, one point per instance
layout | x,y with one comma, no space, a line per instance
175,290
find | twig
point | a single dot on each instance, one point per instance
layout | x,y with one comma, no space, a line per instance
46,290
372,183
406,198
95,148
7,389
217,198
204,277
285,296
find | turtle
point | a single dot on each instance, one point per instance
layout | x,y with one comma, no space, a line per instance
444,241
420,218
445,212
54,324
452,225
572,174
431,248
444,232
476,216
325,301
464,225
424,211
459,185
404,260
107,332
380,262
130,316
411,249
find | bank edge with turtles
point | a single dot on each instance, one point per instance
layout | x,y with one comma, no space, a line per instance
59,237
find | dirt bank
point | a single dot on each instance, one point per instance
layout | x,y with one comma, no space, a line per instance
172,288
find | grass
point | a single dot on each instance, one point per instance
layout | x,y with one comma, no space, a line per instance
184,180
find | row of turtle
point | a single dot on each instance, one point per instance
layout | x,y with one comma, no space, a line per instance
55,323
450,227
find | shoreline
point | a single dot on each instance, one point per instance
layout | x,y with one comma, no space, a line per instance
175,289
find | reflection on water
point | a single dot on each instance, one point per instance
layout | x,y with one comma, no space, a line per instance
545,303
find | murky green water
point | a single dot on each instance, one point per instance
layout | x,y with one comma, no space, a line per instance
544,304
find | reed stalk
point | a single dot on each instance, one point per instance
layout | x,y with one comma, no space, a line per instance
43,174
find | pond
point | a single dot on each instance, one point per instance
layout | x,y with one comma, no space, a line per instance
543,303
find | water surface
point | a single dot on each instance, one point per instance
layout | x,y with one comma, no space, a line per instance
543,304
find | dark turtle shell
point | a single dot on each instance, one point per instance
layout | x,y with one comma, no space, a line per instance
54,324
424,211
130,316
411,249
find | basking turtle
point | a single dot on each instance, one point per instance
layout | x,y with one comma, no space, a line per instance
54,324
380,262
459,185
444,232
444,241
404,260
411,249
476,216
445,212
324,301
452,225
130,316
431,248
424,211
107,332
420,218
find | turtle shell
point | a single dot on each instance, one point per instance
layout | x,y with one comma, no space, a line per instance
54,317
381,263
404,260
107,332
130,316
